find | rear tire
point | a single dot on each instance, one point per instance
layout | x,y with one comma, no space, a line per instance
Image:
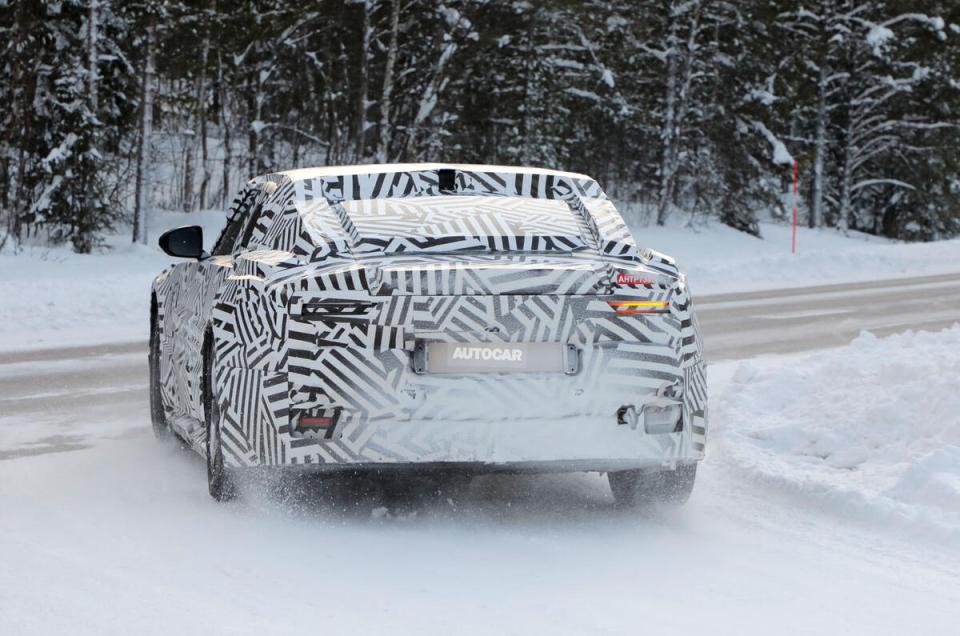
639,488
158,418
220,479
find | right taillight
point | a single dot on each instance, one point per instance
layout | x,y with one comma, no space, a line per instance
640,306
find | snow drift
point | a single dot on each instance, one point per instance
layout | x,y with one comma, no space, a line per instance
873,427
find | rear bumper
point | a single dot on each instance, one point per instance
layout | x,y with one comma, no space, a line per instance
479,468
582,439
553,432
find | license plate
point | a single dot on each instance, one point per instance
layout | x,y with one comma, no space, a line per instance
501,357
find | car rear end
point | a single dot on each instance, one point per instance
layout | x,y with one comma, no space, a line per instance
495,332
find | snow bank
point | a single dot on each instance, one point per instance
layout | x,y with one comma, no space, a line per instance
873,427
52,297
719,259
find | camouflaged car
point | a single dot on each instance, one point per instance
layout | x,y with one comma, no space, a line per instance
429,316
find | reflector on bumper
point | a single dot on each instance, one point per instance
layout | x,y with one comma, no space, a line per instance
657,418
661,419
318,423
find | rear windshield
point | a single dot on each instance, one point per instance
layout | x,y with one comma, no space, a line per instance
458,223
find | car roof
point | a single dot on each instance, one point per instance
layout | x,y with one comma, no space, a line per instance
324,199
306,174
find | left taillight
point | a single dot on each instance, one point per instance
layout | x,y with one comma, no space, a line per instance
336,310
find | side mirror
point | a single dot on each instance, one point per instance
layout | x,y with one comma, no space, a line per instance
183,242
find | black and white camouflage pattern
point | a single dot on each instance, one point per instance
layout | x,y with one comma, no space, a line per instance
349,268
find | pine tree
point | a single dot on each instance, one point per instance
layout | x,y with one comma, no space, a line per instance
66,58
697,106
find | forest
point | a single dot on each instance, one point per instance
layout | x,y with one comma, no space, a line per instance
684,110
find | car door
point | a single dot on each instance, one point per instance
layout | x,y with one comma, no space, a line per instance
197,286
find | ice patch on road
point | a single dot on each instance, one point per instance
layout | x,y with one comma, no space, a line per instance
874,426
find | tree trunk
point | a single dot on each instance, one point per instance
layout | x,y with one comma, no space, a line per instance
142,201
227,160
385,100
4,181
431,94
202,106
820,143
667,138
846,180
529,59
363,96
93,56
253,130
251,133
675,107
190,149
22,77
225,126
204,153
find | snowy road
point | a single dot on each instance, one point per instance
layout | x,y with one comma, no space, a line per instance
102,530
743,325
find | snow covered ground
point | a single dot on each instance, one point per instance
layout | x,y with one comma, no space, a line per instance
823,507
718,259
871,430
52,297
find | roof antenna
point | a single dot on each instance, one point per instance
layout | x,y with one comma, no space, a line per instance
447,179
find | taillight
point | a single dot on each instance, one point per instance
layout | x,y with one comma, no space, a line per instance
336,310
315,422
640,306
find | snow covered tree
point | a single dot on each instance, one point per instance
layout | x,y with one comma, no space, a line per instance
856,73
70,99
878,112
817,35
678,106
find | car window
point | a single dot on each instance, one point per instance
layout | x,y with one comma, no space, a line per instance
457,223
228,237
251,226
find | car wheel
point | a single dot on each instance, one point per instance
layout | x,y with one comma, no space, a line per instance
638,488
157,417
220,480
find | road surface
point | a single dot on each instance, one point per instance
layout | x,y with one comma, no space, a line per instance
103,530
